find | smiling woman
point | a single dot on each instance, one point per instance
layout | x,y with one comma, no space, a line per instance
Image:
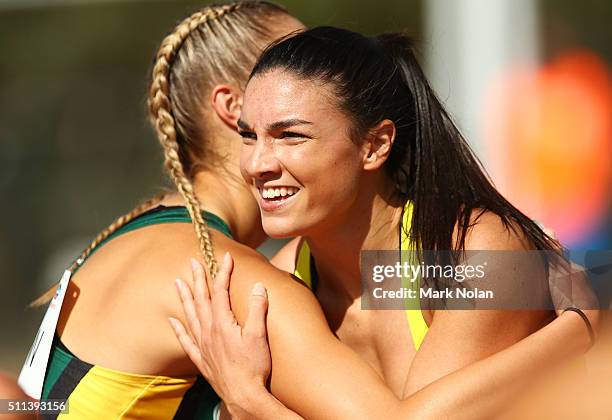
284,141
352,124
275,195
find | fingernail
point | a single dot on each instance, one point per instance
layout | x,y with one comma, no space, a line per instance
195,264
172,322
259,290
179,284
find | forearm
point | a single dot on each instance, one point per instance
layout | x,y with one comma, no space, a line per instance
258,404
486,387
480,390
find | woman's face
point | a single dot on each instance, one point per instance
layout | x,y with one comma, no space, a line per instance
297,155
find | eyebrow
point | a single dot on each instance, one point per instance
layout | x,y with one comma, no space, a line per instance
281,125
275,126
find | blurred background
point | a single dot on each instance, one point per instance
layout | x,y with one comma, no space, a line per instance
528,81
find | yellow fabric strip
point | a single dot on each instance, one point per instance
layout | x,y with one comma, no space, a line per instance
302,266
418,326
416,322
106,393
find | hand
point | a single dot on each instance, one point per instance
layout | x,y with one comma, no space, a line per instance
570,287
235,360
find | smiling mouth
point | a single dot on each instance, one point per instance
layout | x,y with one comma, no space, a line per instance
277,194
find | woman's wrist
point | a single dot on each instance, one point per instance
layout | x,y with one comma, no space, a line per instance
258,403
586,336
587,323
251,403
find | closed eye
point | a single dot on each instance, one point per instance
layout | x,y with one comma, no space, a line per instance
247,135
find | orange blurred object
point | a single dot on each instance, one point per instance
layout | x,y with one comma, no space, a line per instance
549,137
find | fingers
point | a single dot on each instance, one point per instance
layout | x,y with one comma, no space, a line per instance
189,346
255,324
208,280
202,297
221,310
193,323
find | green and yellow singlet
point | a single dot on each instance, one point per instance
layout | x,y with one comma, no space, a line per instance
95,392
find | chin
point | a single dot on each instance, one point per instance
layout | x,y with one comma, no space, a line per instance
279,228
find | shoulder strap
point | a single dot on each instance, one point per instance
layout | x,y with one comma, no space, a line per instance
303,264
167,214
418,326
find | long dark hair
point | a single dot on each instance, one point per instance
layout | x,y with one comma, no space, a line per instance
431,164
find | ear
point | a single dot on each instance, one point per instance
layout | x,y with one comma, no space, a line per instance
378,145
226,101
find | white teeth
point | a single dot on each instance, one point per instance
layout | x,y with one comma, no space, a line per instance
278,192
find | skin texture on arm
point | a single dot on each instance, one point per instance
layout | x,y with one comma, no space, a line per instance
332,378
335,382
458,338
485,388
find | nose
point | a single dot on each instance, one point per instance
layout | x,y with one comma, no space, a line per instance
260,161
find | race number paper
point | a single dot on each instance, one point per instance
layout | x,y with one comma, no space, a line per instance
33,371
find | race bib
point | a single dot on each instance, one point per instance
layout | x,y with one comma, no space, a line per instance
32,374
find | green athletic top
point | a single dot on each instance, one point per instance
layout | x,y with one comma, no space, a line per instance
98,392
166,214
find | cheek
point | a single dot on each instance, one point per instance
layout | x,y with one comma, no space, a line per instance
331,177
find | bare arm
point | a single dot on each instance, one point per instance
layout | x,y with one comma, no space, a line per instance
483,389
458,338
334,381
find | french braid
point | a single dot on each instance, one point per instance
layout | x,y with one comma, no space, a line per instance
219,48
161,113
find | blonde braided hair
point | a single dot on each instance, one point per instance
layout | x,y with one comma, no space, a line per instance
178,134
204,44
161,113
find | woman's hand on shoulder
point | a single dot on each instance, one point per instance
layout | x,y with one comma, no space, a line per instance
231,358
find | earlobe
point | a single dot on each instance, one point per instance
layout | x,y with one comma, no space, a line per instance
379,143
226,101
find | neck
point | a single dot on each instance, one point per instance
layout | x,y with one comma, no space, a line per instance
370,224
225,194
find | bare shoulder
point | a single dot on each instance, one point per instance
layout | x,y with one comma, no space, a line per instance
488,231
513,270
512,279
285,259
285,292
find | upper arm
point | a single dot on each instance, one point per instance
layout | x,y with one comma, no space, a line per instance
333,380
457,338
285,258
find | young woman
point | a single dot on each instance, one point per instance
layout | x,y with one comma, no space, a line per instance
110,358
347,147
